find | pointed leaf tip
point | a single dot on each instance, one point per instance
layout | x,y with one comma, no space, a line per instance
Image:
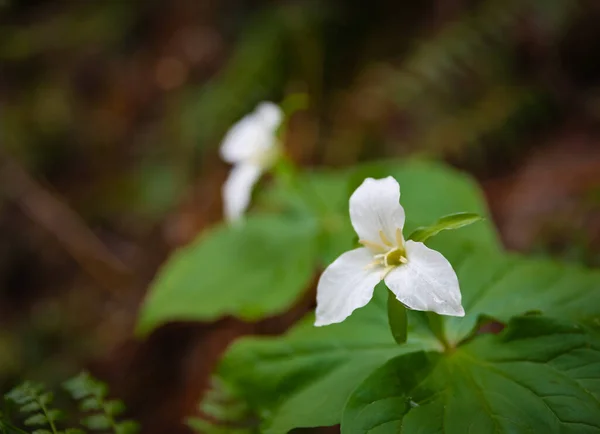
451,221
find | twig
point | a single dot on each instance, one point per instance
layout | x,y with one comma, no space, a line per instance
53,214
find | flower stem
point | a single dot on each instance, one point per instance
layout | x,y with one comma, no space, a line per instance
436,325
47,414
287,172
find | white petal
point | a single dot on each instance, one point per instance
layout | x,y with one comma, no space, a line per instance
427,282
346,285
237,189
270,114
374,207
252,135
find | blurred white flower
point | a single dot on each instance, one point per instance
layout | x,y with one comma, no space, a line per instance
252,147
420,278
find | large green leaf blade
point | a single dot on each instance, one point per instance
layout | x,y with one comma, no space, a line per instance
502,286
380,403
254,269
429,190
539,375
304,378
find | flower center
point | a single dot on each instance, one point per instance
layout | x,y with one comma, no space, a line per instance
392,255
395,257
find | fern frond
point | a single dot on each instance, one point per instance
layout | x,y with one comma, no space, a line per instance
224,412
102,412
35,402
446,78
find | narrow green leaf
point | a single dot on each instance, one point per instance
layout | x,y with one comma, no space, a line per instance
90,403
397,317
78,386
30,406
54,415
46,398
128,427
36,419
96,422
452,221
114,407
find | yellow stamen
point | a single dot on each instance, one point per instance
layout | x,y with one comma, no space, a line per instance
373,264
372,245
385,239
399,237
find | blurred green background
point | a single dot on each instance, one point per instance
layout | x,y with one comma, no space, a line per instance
111,113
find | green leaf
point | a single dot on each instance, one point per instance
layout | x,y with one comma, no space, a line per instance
81,385
251,270
114,407
54,415
96,422
539,375
304,378
428,190
46,398
398,318
90,403
501,286
36,419
31,406
127,427
452,221
380,402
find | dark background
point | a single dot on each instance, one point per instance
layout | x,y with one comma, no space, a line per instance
112,111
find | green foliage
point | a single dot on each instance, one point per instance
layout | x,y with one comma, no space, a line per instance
539,375
261,266
6,427
35,403
92,397
452,221
223,412
501,286
304,378
323,376
398,318
250,270
428,190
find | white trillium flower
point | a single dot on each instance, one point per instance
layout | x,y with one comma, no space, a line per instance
251,145
419,277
